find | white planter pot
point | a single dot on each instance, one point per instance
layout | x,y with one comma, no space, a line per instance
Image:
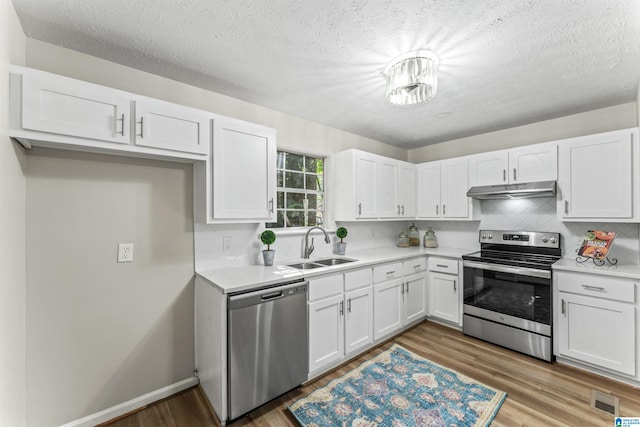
268,257
341,248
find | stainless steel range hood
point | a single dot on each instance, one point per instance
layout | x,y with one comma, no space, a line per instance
514,191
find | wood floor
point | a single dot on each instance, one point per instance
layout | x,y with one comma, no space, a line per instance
539,393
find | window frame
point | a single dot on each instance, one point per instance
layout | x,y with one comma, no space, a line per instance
285,190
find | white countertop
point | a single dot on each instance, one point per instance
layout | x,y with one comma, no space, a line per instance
236,279
631,271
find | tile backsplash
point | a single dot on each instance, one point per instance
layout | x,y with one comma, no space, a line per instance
521,214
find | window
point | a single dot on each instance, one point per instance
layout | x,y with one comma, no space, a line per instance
300,200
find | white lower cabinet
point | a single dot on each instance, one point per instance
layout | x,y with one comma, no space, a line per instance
596,321
340,316
444,290
326,331
398,295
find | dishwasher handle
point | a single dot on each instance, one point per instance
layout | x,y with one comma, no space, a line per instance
272,296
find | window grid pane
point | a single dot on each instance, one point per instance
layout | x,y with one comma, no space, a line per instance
300,192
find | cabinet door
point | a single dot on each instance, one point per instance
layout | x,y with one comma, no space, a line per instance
407,189
64,106
326,332
598,331
387,308
455,203
596,176
429,190
444,301
244,170
489,168
388,206
366,185
533,163
414,299
358,325
172,127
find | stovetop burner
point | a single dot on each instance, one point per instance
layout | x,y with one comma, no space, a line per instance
518,248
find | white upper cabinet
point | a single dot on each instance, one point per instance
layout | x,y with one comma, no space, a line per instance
388,206
533,163
369,186
65,106
172,127
597,176
488,168
442,190
56,111
407,189
237,183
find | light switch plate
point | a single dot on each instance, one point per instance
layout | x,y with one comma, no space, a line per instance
125,252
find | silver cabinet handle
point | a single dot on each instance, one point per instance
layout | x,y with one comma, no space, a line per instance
437,209
564,309
442,266
402,210
514,174
444,211
271,205
141,127
455,287
341,308
359,208
417,266
349,305
504,174
398,210
402,288
122,120
566,207
594,288
407,284
389,273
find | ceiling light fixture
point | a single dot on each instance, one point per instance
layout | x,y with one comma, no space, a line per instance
412,78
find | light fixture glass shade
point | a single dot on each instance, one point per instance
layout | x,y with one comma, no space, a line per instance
412,78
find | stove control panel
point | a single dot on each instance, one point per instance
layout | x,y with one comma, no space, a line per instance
521,238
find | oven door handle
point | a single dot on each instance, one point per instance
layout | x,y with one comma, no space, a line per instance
522,271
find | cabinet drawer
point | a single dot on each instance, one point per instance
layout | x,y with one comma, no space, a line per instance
387,272
415,265
614,288
443,265
357,279
325,286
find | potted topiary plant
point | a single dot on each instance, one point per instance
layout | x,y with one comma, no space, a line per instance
341,246
268,237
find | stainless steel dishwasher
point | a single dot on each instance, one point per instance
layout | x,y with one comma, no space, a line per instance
267,344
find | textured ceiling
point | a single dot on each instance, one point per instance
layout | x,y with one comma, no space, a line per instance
502,63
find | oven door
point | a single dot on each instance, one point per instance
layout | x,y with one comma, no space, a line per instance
514,296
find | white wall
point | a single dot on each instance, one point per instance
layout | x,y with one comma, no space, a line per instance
602,120
12,231
99,332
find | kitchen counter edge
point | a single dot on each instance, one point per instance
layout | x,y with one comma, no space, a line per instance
629,271
243,278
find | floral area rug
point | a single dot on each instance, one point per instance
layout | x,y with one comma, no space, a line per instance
399,388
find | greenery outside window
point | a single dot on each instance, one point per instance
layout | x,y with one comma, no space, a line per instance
300,191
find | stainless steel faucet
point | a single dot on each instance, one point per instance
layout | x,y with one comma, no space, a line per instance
308,249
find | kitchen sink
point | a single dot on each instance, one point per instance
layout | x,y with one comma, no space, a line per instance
327,262
334,261
306,265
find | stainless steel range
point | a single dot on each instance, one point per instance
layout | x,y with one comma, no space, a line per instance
507,290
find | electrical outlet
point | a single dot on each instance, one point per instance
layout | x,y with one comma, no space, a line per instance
226,243
125,252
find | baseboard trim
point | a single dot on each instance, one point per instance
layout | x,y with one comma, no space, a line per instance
133,404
